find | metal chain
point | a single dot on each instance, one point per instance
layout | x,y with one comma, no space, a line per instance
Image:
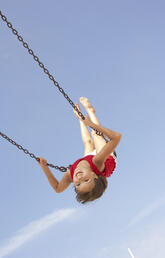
62,169
46,71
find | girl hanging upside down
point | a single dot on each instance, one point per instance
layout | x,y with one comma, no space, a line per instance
88,173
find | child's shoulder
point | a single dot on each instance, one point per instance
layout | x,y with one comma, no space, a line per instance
68,175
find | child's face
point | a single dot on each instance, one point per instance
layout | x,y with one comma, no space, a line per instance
84,180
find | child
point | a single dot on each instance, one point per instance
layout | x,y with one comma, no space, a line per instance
88,173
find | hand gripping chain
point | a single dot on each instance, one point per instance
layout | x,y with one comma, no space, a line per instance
46,71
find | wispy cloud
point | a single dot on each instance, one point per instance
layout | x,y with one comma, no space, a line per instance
147,211
148,243
34,228
142,243
152,245
130,252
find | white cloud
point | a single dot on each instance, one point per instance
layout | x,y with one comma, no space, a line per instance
144,241
34,228
149,244
130,252
147,211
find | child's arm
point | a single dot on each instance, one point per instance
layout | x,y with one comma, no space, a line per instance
114,137
57,186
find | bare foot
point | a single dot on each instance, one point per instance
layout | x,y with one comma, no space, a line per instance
87,105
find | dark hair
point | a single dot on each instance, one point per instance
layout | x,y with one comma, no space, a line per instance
100,184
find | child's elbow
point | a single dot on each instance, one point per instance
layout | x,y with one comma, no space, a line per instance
117,139
58,190
119,136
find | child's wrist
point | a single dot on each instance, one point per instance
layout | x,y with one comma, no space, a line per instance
44,166
91,124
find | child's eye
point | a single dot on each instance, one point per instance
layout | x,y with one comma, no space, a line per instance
77,184
86,180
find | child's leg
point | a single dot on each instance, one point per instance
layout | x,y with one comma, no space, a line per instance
99,142
86,137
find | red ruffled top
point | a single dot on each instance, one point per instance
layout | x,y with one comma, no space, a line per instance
110,166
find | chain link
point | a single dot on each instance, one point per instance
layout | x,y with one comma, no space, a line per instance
62,169
46,71
36,58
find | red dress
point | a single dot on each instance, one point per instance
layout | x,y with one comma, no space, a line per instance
110,165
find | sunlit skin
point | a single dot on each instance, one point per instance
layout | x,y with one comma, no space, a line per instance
83,177
84,181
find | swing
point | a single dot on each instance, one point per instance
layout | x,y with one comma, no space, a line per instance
46,71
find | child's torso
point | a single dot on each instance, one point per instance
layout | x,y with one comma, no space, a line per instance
83,165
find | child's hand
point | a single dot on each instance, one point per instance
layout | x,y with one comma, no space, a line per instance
42,162
78,107
87,120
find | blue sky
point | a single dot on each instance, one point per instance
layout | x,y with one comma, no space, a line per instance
113,53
